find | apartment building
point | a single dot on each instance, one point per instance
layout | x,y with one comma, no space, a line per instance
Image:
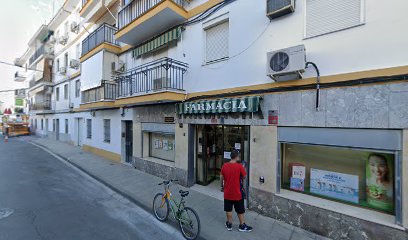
313,94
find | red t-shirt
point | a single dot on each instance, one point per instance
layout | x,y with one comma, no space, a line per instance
232,173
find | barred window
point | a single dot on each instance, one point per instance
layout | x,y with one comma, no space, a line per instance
89,128
42,124
326,16
106,130
77,88
53,125
66,91
46,125
216,42
66,126
57,93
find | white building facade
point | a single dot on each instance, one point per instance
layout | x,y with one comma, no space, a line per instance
313,95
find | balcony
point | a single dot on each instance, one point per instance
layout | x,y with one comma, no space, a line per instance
91,10
103,38
106,92
43,50
20,76
161,76
46,105
20,93
142,19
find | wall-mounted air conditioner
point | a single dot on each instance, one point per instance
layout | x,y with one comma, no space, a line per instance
71,105
74,27
286,64
63,70
52,40
118,68
63,39
73,63
278,8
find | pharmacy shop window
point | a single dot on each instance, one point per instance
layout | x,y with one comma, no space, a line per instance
353,176
162,146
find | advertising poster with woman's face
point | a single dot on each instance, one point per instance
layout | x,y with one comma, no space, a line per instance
379,181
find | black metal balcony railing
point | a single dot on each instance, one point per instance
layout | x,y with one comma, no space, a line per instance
104,34
162,74
137,8
107,91
46,105
36,54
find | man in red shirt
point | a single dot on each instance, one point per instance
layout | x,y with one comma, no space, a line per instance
232,173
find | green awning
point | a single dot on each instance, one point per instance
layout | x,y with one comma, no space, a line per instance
226,105
157,42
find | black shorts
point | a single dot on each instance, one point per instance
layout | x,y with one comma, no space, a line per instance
238,206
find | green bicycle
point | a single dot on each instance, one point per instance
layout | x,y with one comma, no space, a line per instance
187,217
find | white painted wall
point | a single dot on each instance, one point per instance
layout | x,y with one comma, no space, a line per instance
379,43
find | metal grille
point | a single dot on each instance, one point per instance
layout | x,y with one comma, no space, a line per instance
216,47
106,130
77,88
66,126
89,128
325,16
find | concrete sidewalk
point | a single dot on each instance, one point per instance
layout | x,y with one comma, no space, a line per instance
141,187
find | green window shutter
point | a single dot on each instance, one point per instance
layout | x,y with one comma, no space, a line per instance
157,42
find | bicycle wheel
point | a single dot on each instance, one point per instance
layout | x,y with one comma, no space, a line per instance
160,207
189,223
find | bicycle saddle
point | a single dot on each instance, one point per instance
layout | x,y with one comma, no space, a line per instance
184,193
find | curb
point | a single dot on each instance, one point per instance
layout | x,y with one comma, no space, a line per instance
171,221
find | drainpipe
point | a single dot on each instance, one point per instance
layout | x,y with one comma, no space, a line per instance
317,84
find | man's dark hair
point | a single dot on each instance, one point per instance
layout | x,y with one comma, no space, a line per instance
234,154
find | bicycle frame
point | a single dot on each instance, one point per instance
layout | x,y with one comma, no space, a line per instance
175,207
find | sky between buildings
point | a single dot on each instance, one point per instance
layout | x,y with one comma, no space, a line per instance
20,19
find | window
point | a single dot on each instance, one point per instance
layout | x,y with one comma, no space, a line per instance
66,91
359,177
216,42
42,124
66,126
326,16
35,124
53,125
57,94
66,60
78,51
162,146
46,125
89,128
57,66
106,130
77,88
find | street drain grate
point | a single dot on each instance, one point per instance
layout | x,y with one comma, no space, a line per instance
5,212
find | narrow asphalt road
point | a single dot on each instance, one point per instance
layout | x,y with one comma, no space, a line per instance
41,197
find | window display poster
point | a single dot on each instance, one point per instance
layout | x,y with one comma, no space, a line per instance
165,145
237,146
379,181
334,185
299,172
170,146
297,184
160,143
156,143
227,155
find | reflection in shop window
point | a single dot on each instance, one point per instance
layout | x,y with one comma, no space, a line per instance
354,176
162,146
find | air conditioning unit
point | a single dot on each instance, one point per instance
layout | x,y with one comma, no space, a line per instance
74,27
63,70
48,90
52,40
73,63
63,39
71,105
278,8
119,68
286,64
